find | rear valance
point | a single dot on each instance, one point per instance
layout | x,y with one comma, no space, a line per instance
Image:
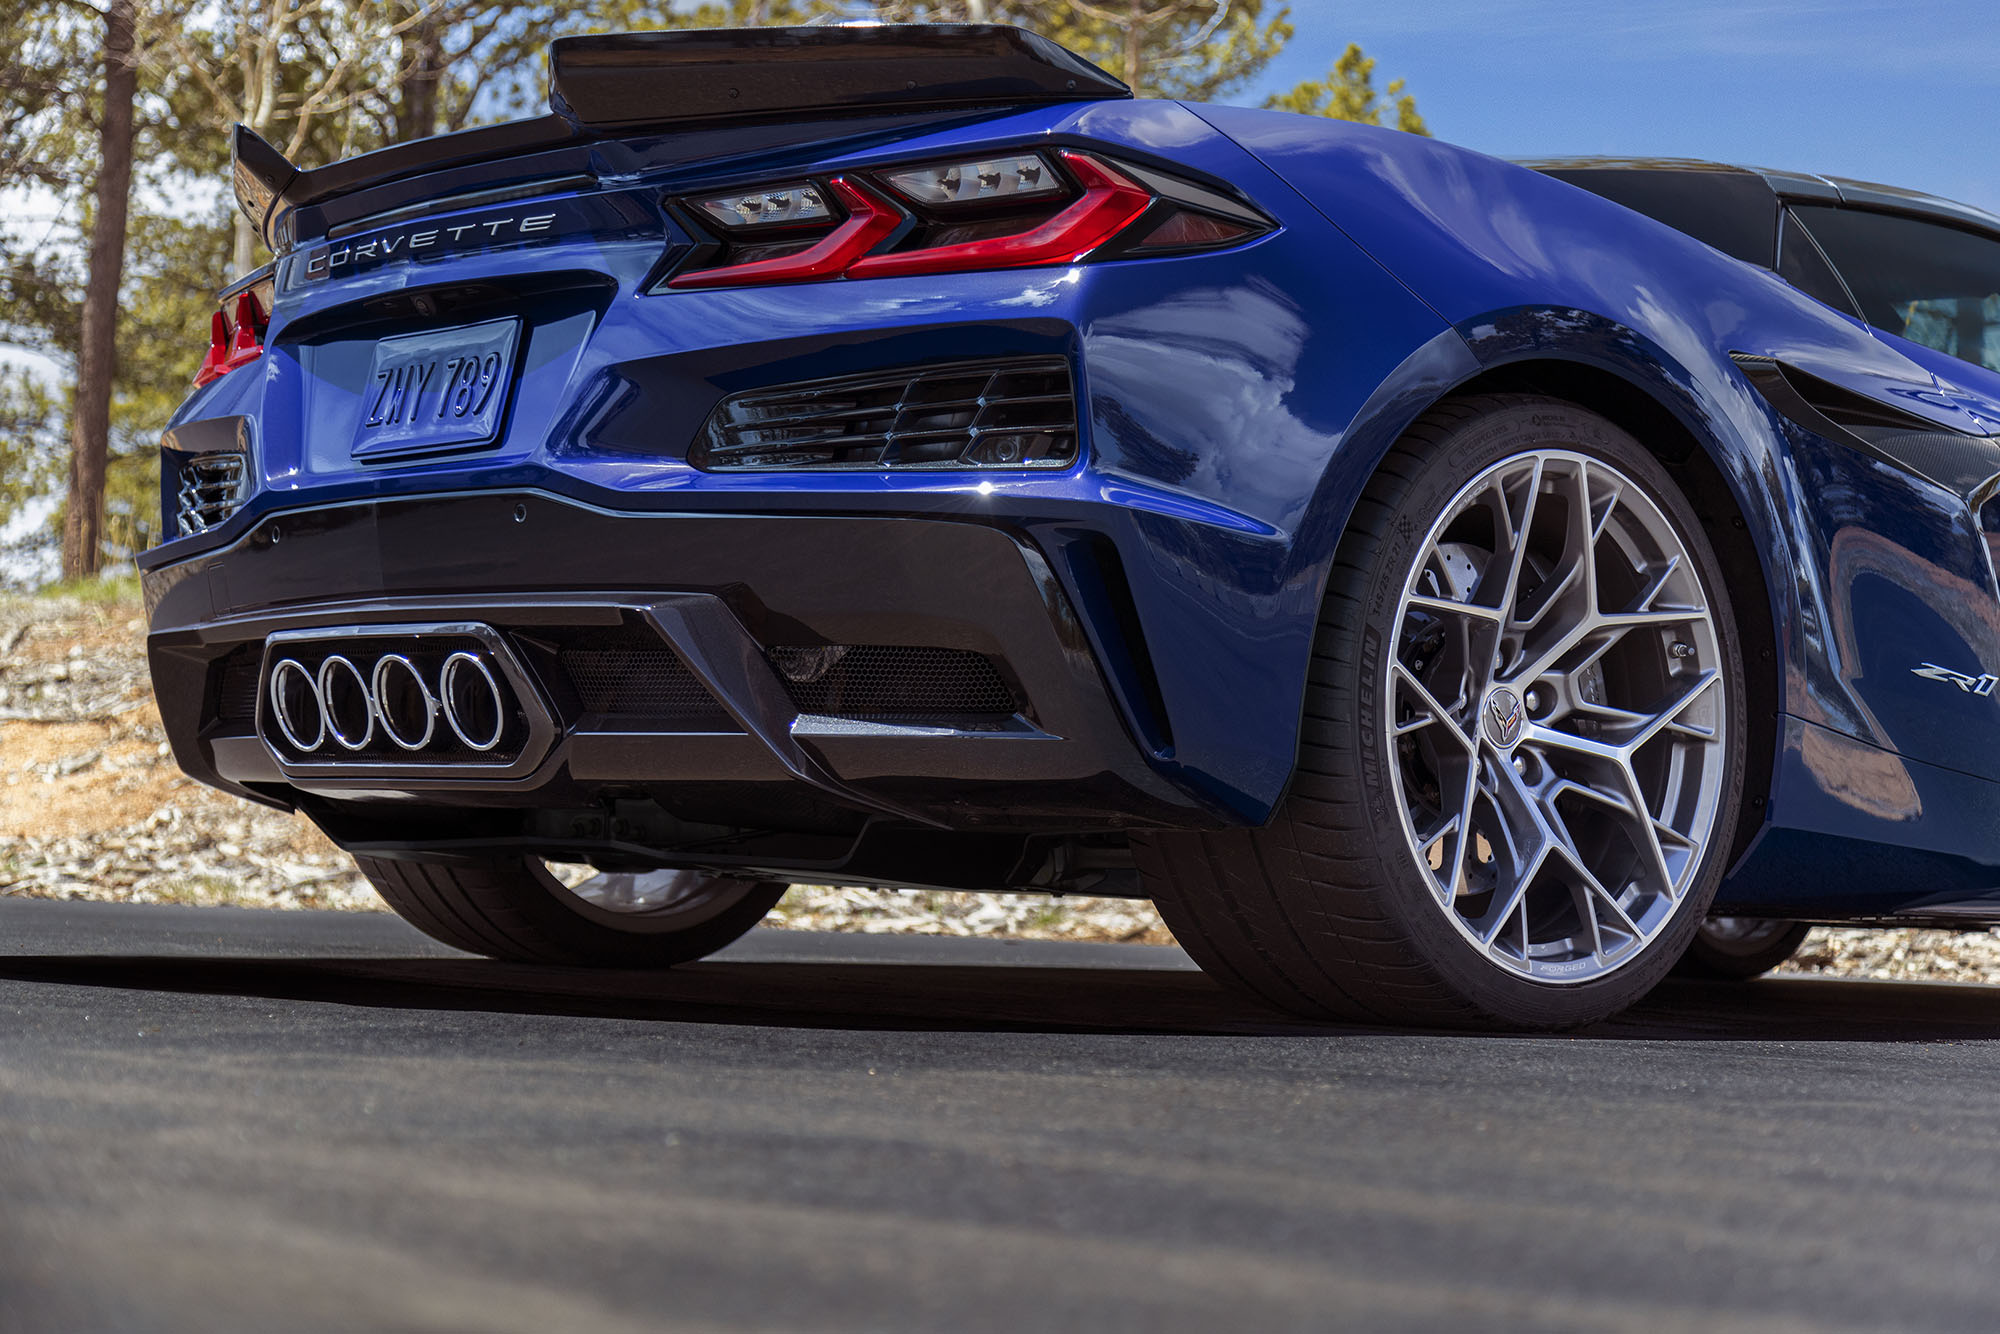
700,77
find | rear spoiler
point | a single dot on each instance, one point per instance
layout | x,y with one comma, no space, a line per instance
699,77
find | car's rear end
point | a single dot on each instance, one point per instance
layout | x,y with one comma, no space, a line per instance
703,476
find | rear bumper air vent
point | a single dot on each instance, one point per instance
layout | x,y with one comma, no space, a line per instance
1017,413
204,473
207,491
892,682
630,672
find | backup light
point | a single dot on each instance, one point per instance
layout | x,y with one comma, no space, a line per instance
989,180
780,206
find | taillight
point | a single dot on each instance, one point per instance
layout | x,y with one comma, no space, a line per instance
1001,211
1109,203
802,258
235,338
986,181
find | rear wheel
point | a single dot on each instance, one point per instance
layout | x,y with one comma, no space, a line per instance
517,908
1522,743
1736,949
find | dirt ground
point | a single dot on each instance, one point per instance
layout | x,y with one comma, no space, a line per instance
93,807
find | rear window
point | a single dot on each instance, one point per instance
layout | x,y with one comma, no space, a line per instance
1934,285
1733,211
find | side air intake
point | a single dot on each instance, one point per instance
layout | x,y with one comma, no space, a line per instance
1966,464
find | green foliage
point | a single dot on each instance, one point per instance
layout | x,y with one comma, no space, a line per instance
168,294
34,451
103,589
172,267
40,97
32,444
45,162
509,77
1195,50
1348,93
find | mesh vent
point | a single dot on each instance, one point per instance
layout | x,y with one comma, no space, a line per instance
210,489
987,414
631,672
893,681
236,685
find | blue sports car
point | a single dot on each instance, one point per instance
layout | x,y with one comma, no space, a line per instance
1453,590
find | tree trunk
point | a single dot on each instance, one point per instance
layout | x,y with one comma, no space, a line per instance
243,246
1135,23
422,70
97,350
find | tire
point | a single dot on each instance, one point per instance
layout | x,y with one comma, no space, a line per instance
1736,949
515,909
1343,906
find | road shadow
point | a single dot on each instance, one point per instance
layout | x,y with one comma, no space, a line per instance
920,997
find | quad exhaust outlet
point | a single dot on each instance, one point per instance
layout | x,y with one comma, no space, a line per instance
344,706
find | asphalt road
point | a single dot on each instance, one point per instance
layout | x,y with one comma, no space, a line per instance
216,1120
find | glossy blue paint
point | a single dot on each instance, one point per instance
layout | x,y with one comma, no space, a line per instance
1868,833
1236,403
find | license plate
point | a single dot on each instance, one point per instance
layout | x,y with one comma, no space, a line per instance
440,389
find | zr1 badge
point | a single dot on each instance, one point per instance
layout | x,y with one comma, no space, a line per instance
1971,685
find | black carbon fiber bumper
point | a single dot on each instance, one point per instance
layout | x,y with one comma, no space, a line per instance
742,743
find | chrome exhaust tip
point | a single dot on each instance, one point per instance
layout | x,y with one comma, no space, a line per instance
404,702
347,703
473,704
430,700
296,705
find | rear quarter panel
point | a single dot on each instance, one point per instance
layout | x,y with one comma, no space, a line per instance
1870,571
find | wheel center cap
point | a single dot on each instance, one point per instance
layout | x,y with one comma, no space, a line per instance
1502,718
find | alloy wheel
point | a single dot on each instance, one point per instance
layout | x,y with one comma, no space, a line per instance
1555,714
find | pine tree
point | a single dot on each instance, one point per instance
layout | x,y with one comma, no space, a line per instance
1348,93
96,361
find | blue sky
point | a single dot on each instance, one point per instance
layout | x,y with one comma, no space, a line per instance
1905,93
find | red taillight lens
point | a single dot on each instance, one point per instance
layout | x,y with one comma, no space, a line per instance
235,339
1012,210
1111,202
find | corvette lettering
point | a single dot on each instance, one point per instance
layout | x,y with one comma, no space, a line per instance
329,262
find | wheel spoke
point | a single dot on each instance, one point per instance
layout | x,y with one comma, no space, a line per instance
1454,867
1577,563
1517,896
1595,893
1601,522
1437,710
1517,542
1659,582
1451,607
1673,710
1582,896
